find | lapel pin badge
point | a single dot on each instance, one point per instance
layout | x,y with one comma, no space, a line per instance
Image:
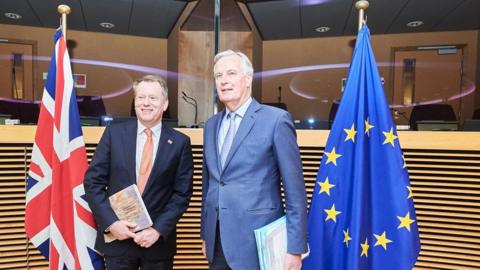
169,141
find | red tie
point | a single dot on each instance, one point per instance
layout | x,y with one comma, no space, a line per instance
145,162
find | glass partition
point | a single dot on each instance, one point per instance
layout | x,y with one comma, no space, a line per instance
300,50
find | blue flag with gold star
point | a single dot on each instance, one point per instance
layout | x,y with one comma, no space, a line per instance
362,214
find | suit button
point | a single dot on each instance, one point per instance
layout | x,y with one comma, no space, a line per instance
222,183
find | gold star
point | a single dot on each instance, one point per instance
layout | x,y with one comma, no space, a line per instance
410,192
405,221
404,161
346,237
350,133
382,240
332,157
365,246
368,126
389,137
325,187
332,213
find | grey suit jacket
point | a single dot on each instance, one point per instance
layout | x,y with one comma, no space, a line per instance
245,194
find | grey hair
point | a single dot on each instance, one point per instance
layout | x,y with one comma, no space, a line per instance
246,64
152,78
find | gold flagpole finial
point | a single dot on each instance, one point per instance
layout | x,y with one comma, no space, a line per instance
64,10
361,6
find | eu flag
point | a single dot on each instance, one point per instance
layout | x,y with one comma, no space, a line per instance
362,215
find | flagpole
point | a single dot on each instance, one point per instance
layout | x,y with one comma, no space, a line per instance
361,6
64,10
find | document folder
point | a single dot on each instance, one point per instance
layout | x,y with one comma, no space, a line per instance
272,244
128,205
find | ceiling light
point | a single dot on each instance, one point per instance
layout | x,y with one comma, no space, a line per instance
13,16
322,29
107,25
414,23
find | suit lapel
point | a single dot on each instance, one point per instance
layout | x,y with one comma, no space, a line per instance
243,130
129,140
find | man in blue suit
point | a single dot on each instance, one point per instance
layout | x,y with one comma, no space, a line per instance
249,151
156,158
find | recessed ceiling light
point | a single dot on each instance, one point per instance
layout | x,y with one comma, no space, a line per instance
322,29
13,16
414,23
107,25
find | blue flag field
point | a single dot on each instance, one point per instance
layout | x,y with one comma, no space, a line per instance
362,214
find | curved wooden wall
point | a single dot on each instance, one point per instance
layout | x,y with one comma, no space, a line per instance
444,171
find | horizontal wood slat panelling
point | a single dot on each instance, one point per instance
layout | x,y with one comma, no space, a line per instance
444,170
446,188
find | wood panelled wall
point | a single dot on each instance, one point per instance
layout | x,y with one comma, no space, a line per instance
195,68
444,171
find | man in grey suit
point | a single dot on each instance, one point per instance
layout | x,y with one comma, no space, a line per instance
249,151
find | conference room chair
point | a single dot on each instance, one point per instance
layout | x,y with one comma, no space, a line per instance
431,112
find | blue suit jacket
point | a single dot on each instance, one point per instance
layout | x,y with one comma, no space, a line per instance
246,194
166,194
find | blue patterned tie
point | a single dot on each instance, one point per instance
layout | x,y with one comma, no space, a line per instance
227,142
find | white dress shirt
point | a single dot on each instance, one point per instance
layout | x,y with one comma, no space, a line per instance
225,124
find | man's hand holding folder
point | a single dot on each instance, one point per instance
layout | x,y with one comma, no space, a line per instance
133,217
121,230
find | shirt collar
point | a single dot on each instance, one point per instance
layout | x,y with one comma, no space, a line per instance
155,129
241,110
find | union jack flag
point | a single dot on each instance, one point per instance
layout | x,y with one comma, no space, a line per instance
58,220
